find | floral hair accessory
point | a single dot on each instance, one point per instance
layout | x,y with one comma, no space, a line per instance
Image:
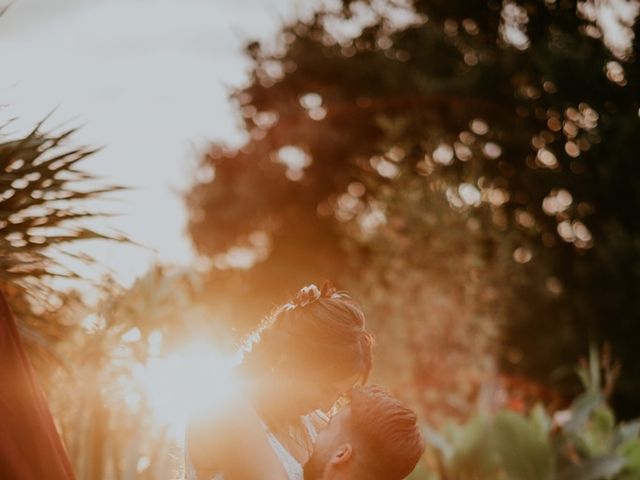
310,294
327,290
306,295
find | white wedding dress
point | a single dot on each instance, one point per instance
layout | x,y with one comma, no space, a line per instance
290,464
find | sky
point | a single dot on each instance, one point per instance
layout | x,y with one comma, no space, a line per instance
148,80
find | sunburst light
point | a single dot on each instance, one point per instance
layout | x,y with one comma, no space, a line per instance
189,381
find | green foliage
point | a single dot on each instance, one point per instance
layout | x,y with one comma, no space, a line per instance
506,445
583,442
510,446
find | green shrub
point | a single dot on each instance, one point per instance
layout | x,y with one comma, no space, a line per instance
583,442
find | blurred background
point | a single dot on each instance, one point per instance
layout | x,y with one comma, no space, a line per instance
468,171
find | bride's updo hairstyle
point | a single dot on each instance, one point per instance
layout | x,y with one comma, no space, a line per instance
320,333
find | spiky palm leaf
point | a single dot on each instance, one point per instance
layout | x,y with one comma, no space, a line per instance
43,210
42,193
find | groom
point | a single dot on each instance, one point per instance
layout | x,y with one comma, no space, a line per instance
374,437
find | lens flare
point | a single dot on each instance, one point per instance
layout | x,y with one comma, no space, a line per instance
191,381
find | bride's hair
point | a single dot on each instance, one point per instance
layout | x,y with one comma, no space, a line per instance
321,331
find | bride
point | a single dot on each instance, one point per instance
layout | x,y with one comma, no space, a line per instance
310,352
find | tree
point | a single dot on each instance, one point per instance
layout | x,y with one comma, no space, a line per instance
488,149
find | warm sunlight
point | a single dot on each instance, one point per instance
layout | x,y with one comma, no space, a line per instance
191,379
174,84
222,218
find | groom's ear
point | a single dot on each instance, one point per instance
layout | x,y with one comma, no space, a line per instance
341,455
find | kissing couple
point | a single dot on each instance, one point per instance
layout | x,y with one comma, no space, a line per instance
313,355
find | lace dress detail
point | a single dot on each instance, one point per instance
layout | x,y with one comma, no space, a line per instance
289,462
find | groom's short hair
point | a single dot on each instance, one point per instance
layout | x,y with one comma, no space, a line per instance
389,442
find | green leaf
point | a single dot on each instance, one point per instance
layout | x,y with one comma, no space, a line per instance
540,421
438,442
596,437
523,454
594,469
631,452
473,453
626,432
581,410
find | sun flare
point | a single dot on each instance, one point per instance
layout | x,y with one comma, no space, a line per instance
187,382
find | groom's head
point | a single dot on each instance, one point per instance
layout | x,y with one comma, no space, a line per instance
374,437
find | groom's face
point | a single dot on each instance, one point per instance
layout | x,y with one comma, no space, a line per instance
330,443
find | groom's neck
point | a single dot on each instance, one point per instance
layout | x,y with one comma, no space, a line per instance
338,475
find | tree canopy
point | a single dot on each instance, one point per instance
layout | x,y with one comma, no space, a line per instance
468,167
